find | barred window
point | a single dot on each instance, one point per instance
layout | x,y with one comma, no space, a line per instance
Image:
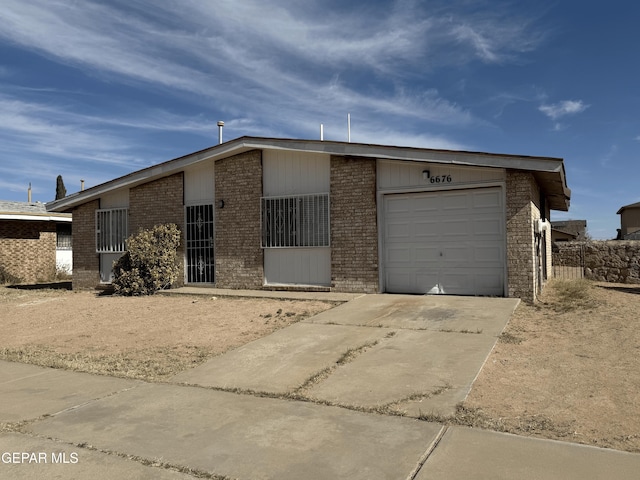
295,221
63,236
112,229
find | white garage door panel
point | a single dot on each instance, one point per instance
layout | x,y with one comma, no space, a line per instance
445,242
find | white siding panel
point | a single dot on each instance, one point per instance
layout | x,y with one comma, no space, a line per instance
116,199
106,266
293,173
297,266
394,175
199,184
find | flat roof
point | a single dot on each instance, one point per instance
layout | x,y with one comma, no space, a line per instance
32,211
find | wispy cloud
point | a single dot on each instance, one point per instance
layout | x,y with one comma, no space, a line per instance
561,109
260,57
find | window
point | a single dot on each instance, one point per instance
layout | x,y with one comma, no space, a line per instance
63,236
295,221
112,229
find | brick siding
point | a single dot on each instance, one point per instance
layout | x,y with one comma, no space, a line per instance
86,262
521,211
354,225
28,250
238,254
156,203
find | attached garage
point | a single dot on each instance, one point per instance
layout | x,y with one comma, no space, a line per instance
447,242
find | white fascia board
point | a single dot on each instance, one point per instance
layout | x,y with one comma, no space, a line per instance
516,162
35,218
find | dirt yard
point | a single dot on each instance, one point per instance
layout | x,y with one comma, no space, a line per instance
150,338
568,368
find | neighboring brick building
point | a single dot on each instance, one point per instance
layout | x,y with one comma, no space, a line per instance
299,214
34,244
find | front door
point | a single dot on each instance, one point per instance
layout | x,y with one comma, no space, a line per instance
200,263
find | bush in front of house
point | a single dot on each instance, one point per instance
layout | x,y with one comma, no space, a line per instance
150,262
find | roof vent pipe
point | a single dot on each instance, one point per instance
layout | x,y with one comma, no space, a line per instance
29,193
220,125
348,127
321,132
82,185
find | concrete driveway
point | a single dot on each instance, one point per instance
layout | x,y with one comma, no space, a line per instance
393,353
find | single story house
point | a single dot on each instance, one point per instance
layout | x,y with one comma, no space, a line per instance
34,244
267,213
629,222
568,230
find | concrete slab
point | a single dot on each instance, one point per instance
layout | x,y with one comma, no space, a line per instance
28,391
49,460
465,453
411,363
246,437
279,294
423,312
281,361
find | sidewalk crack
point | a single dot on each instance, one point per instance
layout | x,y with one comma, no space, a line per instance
425,456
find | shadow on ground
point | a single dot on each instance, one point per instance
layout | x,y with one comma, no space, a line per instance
43,286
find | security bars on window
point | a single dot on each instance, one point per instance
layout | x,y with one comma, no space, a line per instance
112,229
295,221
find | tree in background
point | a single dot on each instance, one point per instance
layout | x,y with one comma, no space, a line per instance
61,191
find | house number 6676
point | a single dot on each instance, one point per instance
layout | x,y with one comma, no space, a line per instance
440,179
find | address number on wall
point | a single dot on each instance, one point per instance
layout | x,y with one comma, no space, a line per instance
440,179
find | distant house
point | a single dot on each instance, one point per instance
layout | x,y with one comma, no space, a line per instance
629,222
568,230
305,214
34,244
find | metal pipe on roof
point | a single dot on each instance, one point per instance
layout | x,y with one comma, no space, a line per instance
220,125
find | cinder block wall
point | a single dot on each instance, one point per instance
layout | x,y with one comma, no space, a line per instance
520,192
86,262
156,203
238,251
354,225
28,250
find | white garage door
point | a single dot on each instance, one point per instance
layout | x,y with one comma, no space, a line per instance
449,242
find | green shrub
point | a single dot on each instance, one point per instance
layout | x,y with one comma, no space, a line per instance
150,262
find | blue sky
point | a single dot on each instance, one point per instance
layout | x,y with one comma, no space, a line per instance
95,90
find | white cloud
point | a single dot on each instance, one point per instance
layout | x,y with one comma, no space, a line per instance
244,55
561,109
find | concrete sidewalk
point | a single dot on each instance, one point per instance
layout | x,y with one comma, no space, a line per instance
75,425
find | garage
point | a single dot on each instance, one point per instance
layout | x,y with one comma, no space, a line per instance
445,242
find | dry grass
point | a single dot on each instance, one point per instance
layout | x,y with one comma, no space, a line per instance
147,338
567,368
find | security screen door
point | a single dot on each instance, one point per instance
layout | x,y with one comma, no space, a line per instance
200,262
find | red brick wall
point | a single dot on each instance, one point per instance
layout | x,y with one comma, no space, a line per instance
238,254
28,250
354,225
86,262
156,203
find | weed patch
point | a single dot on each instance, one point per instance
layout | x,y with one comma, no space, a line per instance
569,295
